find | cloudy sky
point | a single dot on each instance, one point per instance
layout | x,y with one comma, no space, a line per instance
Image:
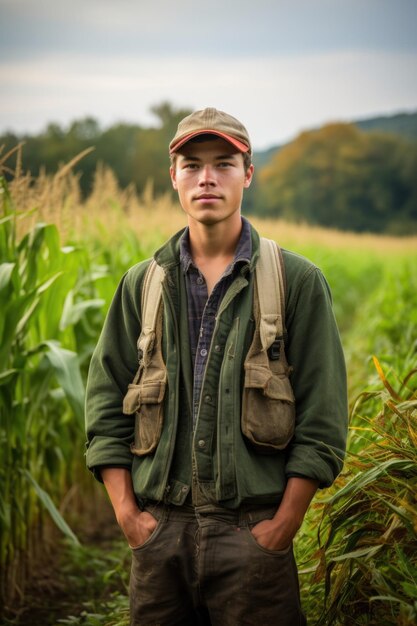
279,65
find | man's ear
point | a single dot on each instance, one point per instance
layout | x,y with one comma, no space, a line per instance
173,174
248,176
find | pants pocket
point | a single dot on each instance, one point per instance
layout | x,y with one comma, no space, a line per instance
152,537
284,552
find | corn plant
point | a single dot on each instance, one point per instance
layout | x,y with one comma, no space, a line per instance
52,302
369,527
41,386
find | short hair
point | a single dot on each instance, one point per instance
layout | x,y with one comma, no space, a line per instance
247,157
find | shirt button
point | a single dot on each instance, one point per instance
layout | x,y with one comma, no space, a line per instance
207,398
217,348
203,352
184,489
201,443
200,280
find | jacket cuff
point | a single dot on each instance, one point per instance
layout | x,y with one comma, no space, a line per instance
309,463
110,452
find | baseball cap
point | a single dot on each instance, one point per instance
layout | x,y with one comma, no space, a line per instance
213,122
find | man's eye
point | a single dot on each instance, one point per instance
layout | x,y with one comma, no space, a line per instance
225,164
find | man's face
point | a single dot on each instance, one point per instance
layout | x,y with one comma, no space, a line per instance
210,178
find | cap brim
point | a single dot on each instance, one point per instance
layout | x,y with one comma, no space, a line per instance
241,147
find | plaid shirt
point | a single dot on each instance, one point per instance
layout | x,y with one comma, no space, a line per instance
202,309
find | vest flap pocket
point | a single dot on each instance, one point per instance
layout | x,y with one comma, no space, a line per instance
279,388
276,387
147,392
131,399
152,391
268,409
148,415
257,376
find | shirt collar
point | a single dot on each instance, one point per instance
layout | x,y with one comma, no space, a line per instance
243,251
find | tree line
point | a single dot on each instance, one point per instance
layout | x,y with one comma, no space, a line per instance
342,177
337,176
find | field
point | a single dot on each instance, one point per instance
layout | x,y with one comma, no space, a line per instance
61,258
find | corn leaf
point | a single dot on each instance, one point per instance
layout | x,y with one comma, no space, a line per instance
52,510
7,376
67,371
73,313
6,270
362,480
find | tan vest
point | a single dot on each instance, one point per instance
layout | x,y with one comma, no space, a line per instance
268,408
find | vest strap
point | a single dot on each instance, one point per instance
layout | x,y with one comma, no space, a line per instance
270,289
151,315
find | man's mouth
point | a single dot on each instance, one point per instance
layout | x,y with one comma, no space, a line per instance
207,196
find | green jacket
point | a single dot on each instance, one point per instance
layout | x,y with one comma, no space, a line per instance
228,470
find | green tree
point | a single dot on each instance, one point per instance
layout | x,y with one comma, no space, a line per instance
117,147
136,154
151,160
341,177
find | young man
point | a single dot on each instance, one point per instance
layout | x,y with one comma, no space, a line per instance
209,516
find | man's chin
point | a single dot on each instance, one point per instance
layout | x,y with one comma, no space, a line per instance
210,220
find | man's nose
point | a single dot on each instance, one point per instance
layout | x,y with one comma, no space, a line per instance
207,176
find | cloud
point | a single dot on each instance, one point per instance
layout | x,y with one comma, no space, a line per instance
275,97
218,29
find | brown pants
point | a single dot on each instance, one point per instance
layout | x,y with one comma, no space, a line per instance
203,567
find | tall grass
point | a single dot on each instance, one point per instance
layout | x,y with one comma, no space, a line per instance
60,260
60,263
365,570
43,346
369,534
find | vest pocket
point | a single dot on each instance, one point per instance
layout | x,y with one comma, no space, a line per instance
268,409
145,400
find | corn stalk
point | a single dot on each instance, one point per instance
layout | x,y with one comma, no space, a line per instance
369,527
47,331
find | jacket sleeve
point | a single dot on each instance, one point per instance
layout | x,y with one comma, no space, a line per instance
113,366
319,379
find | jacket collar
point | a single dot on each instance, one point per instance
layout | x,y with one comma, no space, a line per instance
169,255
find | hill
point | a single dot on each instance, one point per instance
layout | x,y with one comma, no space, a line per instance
401,124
